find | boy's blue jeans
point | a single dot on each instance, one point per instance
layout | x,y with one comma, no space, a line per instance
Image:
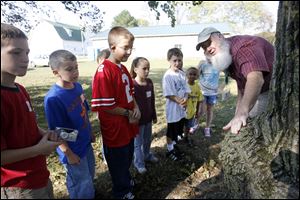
142,143
80,177
118,161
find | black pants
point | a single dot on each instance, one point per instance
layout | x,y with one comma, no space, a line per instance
118,161
175,129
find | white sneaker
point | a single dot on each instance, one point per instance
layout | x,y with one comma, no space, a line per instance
179,137
207,132
141,170
129,195
193,129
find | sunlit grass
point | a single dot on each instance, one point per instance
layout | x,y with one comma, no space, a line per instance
39,80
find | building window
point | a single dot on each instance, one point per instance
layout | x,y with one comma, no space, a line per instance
179,46
69,31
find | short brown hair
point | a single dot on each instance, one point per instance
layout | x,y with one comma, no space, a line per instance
116,32
57,57
10,32
174,52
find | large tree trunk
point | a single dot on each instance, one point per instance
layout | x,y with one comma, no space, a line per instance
263,160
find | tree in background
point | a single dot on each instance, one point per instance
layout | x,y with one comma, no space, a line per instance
143,22
89,15
241,15
27,14
125,19
17,13
169,7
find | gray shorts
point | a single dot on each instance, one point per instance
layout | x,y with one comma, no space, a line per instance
260,105
21,193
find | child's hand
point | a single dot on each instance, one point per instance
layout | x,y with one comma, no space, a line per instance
184,103
134,116
132,119
73,159
136,113
45,146
53,136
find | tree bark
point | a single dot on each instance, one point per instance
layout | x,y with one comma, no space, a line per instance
263,160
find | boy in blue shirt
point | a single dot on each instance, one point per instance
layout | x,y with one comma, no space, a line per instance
66,106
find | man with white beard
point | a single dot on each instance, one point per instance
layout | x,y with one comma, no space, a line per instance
248,60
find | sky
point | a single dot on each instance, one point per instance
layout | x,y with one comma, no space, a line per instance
138,9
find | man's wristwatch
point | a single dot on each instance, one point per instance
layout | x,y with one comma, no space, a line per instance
126,113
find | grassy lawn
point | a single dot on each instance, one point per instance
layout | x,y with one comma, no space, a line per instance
38,81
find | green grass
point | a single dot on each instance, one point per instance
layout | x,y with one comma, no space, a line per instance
161,178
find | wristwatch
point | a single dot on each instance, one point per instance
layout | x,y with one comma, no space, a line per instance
126,113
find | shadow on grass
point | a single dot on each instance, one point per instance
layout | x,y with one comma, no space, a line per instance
162,177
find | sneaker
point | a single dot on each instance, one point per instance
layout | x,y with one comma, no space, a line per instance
141,170
129,195
153,159
193,129
172,155
179,137
207,132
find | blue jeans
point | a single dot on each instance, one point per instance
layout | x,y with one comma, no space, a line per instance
142,143
118,161
189,123
80,177
211,100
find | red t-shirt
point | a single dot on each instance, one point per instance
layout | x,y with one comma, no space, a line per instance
19,130
113,87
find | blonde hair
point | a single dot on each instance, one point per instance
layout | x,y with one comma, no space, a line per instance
116,33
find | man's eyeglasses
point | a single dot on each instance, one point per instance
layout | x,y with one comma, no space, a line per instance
206,44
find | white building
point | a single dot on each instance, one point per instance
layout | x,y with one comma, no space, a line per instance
155,41
50,36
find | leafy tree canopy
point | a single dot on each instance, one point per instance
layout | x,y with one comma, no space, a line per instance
125,19
169,7
27,14
240,15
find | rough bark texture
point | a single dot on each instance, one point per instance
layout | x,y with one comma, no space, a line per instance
263,160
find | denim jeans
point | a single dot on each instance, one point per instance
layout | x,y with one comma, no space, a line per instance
80,177
142,143
118,161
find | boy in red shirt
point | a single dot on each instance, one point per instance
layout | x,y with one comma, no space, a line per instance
118,112
24,145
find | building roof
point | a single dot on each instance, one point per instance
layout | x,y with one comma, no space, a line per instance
67,32
167,30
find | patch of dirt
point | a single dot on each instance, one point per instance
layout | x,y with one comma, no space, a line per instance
198,175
